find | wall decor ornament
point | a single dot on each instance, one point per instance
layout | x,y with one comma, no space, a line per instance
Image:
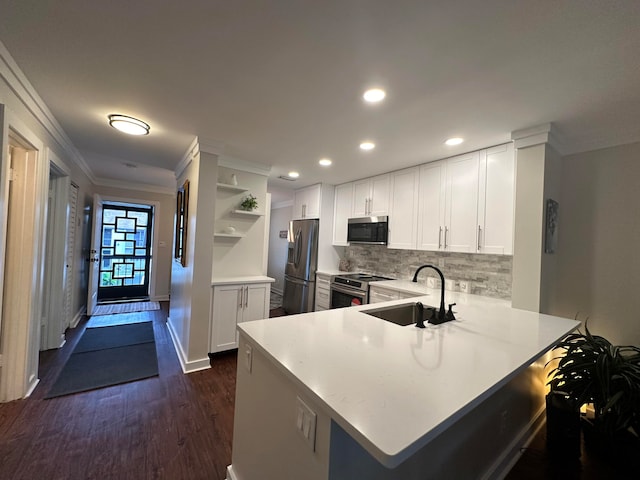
551,226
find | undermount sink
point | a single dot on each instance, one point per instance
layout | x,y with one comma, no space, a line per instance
403,314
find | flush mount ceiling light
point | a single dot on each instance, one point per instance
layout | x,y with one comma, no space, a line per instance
374,95
454,141
325,162
293,174
367,146
129,125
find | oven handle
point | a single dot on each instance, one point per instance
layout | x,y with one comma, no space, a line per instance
349,291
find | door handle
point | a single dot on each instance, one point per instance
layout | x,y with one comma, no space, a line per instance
246,297
446,230
479,233
440,238
240,295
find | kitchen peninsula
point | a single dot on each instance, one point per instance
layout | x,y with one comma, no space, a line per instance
340,394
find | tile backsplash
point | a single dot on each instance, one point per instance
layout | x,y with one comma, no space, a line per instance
488,275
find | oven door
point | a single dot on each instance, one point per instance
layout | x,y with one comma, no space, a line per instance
343,296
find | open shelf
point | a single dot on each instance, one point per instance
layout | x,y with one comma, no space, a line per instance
231,188
228,235
247,213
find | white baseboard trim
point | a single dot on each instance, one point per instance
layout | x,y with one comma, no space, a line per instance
32,387
76,320
187,366
510,456
231,474
160,298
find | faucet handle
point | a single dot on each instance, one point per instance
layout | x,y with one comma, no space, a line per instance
450,315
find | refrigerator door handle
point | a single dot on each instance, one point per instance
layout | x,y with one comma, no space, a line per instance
298,248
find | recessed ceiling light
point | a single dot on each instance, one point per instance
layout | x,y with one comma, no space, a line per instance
454,141
374,95
325,162
293,174
367,146
129,125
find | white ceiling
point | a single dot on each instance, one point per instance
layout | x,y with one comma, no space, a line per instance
280,82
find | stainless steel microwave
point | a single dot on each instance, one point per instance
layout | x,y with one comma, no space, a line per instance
370,230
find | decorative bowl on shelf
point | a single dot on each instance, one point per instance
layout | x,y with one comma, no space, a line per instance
230,230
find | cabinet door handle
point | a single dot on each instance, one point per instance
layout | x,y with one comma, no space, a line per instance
479,233
304,211
440,238
446,230
246,297
240,297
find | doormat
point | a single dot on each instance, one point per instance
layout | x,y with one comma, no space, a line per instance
114,308
108,356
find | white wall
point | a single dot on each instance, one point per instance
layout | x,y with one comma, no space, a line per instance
191,284
598,241
280,218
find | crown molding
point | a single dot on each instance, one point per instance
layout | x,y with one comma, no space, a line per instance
545,133
187,158
244,165
26,93
140,187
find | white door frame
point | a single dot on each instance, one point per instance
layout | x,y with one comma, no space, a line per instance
94,254
53,319
154,241
22,269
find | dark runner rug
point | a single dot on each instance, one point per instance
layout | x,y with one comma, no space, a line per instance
109,356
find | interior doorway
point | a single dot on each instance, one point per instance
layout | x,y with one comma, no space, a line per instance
125,256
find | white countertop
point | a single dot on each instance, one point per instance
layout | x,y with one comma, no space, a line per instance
395,388
238,280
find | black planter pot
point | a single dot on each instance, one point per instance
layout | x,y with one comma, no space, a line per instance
563,427
621,449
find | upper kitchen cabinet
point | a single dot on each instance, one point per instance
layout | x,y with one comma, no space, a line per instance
306,202
371,196
448,204
403,209
495,200
342,210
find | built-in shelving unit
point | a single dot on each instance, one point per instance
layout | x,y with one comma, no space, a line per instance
247,213
228,235
231,188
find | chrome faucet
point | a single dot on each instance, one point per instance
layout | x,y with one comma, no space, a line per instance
441,315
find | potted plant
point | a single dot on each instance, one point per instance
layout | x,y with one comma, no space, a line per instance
594,371
249,203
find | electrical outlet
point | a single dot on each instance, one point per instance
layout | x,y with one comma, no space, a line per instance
306,420
431,282
465,287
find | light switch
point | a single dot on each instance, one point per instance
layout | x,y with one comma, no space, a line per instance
306,420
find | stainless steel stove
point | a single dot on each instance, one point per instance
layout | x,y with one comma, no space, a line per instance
352,289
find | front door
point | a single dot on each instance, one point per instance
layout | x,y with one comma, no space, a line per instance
125,252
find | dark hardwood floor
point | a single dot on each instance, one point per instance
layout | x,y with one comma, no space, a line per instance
173,426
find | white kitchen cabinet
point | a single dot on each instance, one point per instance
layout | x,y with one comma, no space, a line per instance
306,202
403,209
448,204
495,200
431,205
461,203
233,304
378,294
342,211
323,292
371,196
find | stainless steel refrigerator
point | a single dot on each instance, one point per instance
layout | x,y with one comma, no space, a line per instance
300,271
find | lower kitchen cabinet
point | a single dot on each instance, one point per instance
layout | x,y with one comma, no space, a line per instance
323,292
383,294
233,304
